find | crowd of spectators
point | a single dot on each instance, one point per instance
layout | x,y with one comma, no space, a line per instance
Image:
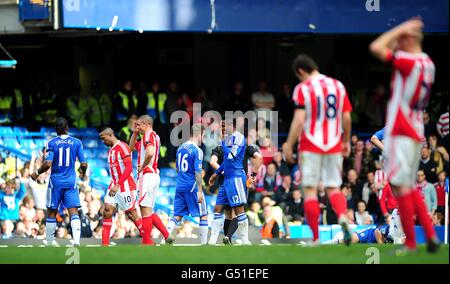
276,198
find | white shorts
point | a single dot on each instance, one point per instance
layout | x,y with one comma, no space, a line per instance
402,158
123,201
321,167
148,184
395,228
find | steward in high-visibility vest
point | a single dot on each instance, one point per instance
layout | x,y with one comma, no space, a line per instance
5,108
155,104
125,103
270,229
77,109
47,110
99,113
18,103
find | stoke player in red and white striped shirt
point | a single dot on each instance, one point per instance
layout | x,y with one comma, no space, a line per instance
323,109
413,76
121,191
148,176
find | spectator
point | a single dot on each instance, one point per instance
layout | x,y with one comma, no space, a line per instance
263,100
100,107
282,167
370,195
429,126
440,192
282,195
285,108
354,185
272,180
270,228
295,209
427,165
438,154
39,217
267,150
438,219
442,127
10,199
428,192
127,130
253,214
353,140
263,131
387,201
187,231
351,216
238,100
7,229
77,108
347,192
362,214
39,190
361,160
6,101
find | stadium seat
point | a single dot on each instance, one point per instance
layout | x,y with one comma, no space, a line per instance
27,144
11,143
168,172
6,131
99,172
90,143
165,181
89,130
47,130
40,143
20,130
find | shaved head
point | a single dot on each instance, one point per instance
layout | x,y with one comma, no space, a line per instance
107,136
107,131
146,119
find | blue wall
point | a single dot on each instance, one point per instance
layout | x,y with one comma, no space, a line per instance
317,16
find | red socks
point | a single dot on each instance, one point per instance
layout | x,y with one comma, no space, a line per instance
338,202
160,226
147,227
422,215
107,224
406,210
312,214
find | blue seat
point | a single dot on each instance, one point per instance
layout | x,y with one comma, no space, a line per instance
99,172
90,143
11,143
40,143
27,144
47,130
20,130
168,172
165,181
88,130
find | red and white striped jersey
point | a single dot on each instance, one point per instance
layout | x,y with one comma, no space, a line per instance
116,155
411,83
324,100
442,124
380,177
150,138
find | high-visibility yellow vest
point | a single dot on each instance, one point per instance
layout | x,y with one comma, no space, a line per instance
151,106
127,132
5,109
126,105
77,112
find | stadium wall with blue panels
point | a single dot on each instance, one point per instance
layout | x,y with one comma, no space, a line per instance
306,16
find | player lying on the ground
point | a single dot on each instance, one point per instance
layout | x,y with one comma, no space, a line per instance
371,235
230,223
321,126
61,154
234,191
413,76
148,176
121,191
189,199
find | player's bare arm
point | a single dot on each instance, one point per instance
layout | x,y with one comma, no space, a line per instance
83,169
44,167
199,181
133,138
294,132
214,162
347,125
377,142
385,43
256,164
379,237
149,153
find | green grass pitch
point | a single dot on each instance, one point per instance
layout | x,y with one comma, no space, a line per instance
274,254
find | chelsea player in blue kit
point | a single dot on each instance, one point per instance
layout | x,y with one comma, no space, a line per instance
189,198
61,154
234,191
370,235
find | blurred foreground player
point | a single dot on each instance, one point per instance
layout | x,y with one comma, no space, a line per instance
121,191
189,199
148,176
413,76
370,235
322,110
61,154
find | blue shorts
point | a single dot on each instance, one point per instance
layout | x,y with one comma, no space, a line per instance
233,192
69,197
186,203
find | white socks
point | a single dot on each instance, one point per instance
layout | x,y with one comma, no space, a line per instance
203,231
216,226
173,223
243,228
50,228
76,228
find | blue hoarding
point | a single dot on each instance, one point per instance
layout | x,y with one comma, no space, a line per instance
318,16
34,10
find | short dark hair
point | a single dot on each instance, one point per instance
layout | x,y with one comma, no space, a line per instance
304,62
61,125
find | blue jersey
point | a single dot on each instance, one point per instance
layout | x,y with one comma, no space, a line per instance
367,236
233,156
63,151
380,134
189,161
